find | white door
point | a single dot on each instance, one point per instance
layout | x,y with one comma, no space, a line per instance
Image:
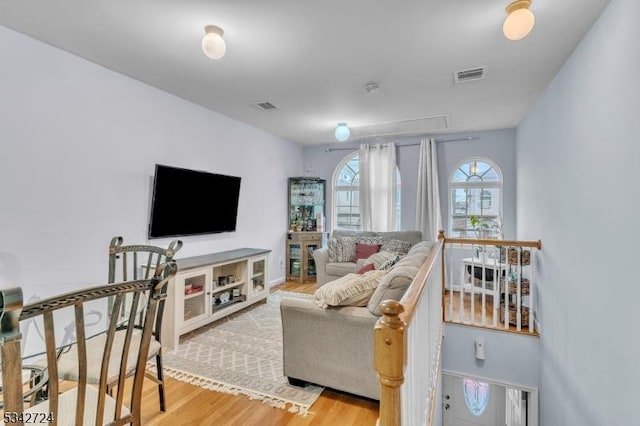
472,403
516,408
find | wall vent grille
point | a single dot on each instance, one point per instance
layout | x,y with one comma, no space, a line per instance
265,106
469,75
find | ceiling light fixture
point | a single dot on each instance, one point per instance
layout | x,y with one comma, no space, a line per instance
213,44
342,132
519,21
372,87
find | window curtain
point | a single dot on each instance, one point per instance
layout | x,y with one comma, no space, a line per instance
428,216
378,187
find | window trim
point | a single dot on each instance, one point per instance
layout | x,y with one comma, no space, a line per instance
335,188
499,184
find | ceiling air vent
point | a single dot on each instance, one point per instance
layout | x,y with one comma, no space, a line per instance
265,106
469,75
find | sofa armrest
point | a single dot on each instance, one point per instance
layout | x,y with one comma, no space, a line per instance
321,258
330,347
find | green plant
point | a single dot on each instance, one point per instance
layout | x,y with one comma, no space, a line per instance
480,225
486,228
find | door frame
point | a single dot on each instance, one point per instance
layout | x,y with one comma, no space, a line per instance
532,402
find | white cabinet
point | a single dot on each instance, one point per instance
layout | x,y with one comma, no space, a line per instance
209,287
194,306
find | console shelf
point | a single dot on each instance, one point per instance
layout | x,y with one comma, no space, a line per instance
242,273
221,306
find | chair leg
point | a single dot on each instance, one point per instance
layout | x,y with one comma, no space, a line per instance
160,376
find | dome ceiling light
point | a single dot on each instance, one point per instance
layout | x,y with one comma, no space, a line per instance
519,21
213,44
342,132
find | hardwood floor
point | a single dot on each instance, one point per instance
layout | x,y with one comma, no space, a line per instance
488,317
192,405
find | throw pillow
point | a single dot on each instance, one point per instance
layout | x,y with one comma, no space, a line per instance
342,249
363,251
389,263
381,257
350,290
396,246
366,268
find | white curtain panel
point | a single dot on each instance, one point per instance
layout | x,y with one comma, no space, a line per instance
378,187
428,216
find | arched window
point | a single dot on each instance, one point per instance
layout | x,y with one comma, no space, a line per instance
346,194
476,396
476,200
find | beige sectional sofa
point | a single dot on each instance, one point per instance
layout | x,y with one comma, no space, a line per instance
328,270
333,346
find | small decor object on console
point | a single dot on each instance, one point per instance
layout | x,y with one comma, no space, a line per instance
235,293
231,279
222,281
224,297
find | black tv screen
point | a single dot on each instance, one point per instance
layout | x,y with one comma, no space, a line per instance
191,202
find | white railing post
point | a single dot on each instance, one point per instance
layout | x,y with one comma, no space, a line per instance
532,284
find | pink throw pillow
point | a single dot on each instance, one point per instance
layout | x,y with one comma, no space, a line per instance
363,251
366,268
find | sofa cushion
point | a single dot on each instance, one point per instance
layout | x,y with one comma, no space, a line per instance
339,269
370,239
350,290
392,286
363,250
411,236
395,283
342,249
415,260
424,247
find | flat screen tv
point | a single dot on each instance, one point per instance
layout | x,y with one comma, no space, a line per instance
191,202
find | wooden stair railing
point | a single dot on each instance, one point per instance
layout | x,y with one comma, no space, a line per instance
407,345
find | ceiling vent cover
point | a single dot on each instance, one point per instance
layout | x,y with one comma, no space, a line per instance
265,106
469,75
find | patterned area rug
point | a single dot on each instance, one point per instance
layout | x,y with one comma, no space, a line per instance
241,355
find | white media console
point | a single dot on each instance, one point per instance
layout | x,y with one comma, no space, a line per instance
212,286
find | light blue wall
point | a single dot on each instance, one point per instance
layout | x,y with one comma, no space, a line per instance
509,357
578,156
498,145
77,152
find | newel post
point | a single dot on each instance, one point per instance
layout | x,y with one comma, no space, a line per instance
389,360
11,303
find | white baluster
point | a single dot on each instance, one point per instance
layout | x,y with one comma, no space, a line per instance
518,294
532,283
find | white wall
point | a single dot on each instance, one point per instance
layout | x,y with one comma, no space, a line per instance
77,153
578,156
498,145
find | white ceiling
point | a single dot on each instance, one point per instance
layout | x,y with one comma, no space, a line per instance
312,59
